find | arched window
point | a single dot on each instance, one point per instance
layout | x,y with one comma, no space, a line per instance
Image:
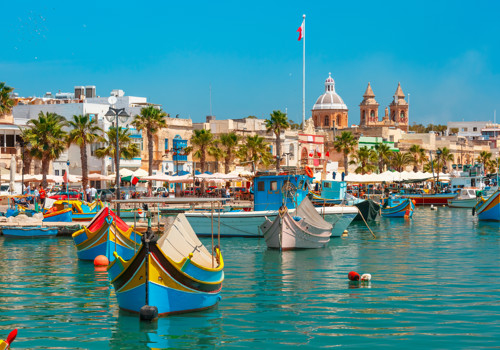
402,115
372,114
363,117
393,116
338,119
327,121
303,153
291,149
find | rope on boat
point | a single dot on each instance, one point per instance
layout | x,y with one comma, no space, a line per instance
362,217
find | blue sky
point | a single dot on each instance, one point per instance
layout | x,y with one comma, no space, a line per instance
444,53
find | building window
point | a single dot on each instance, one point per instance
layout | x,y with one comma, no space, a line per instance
372,114
475,129
166,144
56,172
327,120
363,117
338,119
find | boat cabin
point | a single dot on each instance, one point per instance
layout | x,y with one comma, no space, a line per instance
333,189
270,192
470,177
393,201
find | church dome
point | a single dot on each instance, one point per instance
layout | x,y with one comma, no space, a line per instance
330,99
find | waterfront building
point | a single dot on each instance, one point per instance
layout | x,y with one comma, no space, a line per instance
330,111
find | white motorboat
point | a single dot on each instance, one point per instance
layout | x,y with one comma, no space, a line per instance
466,198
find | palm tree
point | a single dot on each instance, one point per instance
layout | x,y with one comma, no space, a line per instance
384,153
6,102
443,157
400,160
229,141
418,155
256,151
47,139
493,165
128,149
484,158
150,119
429,166
366,160
201,141
85,132
277,123
26,156
345,143
217,153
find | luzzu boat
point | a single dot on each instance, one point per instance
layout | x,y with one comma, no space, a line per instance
82,211
398,207
430,199
105,235
64,215
488,208
173,274
30,231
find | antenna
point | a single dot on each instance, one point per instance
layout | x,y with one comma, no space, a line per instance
495,116
210,87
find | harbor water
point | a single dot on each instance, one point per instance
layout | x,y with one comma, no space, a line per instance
435,284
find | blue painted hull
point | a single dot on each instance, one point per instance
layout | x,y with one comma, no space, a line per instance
29,231
107,249
63,217
489,209
400,210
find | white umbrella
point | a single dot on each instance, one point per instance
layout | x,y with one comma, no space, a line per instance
160,177
100,177
140,173
125,172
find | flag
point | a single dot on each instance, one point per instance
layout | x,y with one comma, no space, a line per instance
65,176
134,180
301,30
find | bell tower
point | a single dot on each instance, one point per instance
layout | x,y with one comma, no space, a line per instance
368,108
399,109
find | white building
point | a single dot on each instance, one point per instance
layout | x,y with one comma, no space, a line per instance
83,101
470,130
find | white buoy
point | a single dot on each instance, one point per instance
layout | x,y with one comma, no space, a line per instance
433,207
366,277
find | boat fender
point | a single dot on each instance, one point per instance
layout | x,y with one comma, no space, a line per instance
353,276
148,313
366,277
101,260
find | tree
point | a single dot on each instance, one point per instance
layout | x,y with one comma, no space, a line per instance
229,141
6,102
217,153
47,139
201,141
256,151
150,119
85,132
26,156
366,160
484,158
429,166
383,153
493,166
128,149
277,123
443,155
418,156
400,160
345,143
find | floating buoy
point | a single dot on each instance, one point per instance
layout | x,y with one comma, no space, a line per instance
101,260
366,277
433,207
353,276
345,233
414,202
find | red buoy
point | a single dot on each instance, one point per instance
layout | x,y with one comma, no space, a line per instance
101,260
353,276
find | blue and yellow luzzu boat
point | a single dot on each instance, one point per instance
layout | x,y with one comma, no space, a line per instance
488,208
398,207
82,211
64,215
105,235
173,274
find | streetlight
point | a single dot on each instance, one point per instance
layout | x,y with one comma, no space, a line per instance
286,155
115,113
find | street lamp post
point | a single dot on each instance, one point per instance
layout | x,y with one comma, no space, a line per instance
286,155
114,113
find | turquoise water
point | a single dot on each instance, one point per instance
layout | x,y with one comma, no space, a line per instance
435,284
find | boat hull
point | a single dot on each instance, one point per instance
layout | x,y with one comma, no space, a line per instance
430,199
489,209
60,216
401,210
29,231
462,203
247,223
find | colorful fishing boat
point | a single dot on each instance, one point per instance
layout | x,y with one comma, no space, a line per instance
105,235
488,208
5,344
397,207
82,211
305,229
29,231
173,274
430,199
64,215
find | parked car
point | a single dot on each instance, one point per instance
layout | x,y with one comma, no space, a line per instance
106,194
65,195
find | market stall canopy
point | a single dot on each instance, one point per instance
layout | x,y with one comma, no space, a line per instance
100,177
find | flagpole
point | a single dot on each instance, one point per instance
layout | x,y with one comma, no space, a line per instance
304,73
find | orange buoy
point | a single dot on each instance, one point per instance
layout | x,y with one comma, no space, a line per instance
353,276
101,260
414,202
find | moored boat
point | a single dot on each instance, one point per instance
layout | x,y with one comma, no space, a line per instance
306,229
105,235
64,215
29,231
81,210
430,199
488,208
466,198
173,274
397,207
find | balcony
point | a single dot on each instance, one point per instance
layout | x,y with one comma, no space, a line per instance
8,150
